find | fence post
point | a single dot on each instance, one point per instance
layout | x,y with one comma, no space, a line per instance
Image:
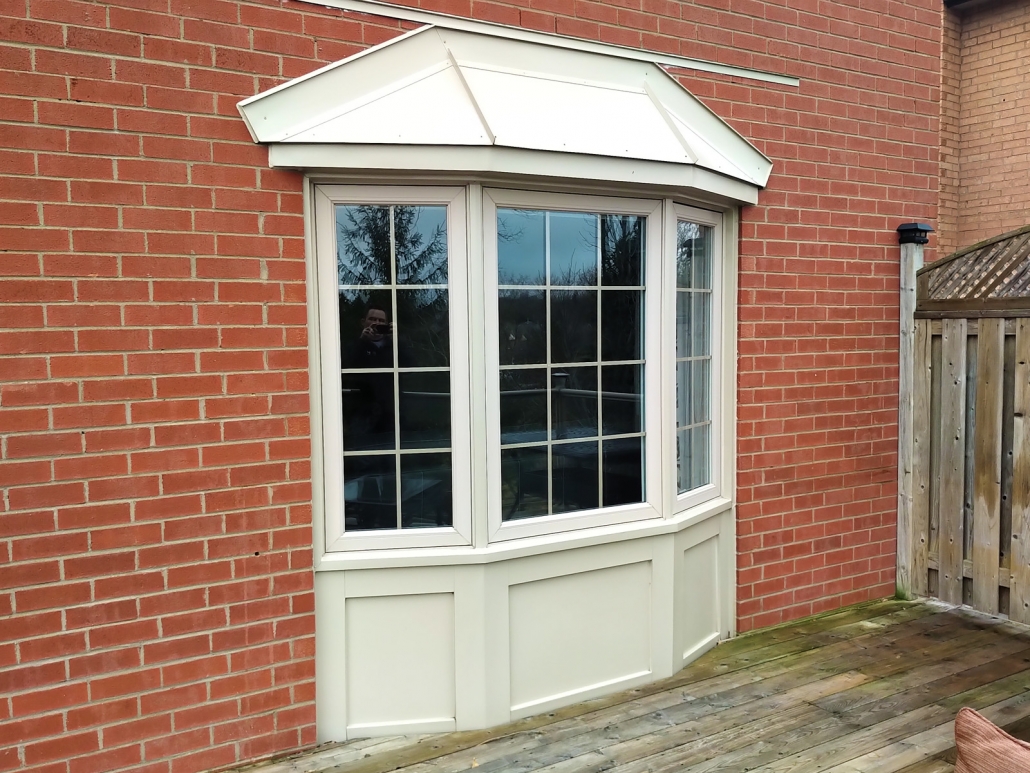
911,237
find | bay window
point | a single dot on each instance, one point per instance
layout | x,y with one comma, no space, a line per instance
595,310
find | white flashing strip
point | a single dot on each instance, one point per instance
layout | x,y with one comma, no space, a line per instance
419,16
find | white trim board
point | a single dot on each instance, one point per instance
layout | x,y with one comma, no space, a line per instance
458,100
447,21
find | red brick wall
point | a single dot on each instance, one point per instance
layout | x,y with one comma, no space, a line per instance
951,105
155,543
989,180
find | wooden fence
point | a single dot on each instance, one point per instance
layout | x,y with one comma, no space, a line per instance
970,513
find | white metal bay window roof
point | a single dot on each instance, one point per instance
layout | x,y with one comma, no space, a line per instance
443,100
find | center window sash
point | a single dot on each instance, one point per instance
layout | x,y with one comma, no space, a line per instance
573,318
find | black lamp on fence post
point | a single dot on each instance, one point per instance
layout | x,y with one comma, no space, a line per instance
912,237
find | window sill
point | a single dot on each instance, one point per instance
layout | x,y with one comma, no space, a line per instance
530,546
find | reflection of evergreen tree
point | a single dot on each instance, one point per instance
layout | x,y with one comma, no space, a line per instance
363,246
419,238
421,256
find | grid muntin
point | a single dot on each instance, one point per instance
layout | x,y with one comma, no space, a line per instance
393,287
599,287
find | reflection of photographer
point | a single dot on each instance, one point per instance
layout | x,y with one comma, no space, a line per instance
374,347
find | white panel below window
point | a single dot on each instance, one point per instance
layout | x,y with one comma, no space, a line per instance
578,633
699,582
400,663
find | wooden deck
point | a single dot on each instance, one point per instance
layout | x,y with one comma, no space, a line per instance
869,688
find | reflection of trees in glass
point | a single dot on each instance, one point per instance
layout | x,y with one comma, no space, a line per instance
363,245
522,332
622,243
692,259
573,325
420,239
363,235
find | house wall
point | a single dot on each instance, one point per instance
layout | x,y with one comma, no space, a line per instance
986,175
155,546
951,105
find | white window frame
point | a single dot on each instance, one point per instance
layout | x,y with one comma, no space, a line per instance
718,486
475,418
655,248
325,294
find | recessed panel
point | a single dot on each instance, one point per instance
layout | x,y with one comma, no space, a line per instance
577,632
400,659
699,590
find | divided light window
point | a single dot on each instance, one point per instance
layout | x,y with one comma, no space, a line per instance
570,347
590,329
391,268
395,355
693,355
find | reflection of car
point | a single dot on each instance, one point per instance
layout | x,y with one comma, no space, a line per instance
370,500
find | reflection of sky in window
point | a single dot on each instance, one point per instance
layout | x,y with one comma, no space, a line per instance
573,248
520,246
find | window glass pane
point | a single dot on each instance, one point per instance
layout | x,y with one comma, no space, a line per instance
568,326
370,492
523,326
621,332
574,248
368,411
693,354
366,329
521,257
699,456
422,328
573,326
700,332
623,471
363,253
425,409
426,498
394,317
420,237
700,382
523,406
684,398
622,397
693,255
622,250
523,482
573,403
684,319
574,483
683,446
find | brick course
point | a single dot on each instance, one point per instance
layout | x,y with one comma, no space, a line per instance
155,544
985,177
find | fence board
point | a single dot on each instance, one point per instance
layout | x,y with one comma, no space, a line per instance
1007,414
972,352
987,465
935,451
921,435
1019,560
952,458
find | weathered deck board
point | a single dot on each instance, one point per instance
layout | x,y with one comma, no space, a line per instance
871,688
